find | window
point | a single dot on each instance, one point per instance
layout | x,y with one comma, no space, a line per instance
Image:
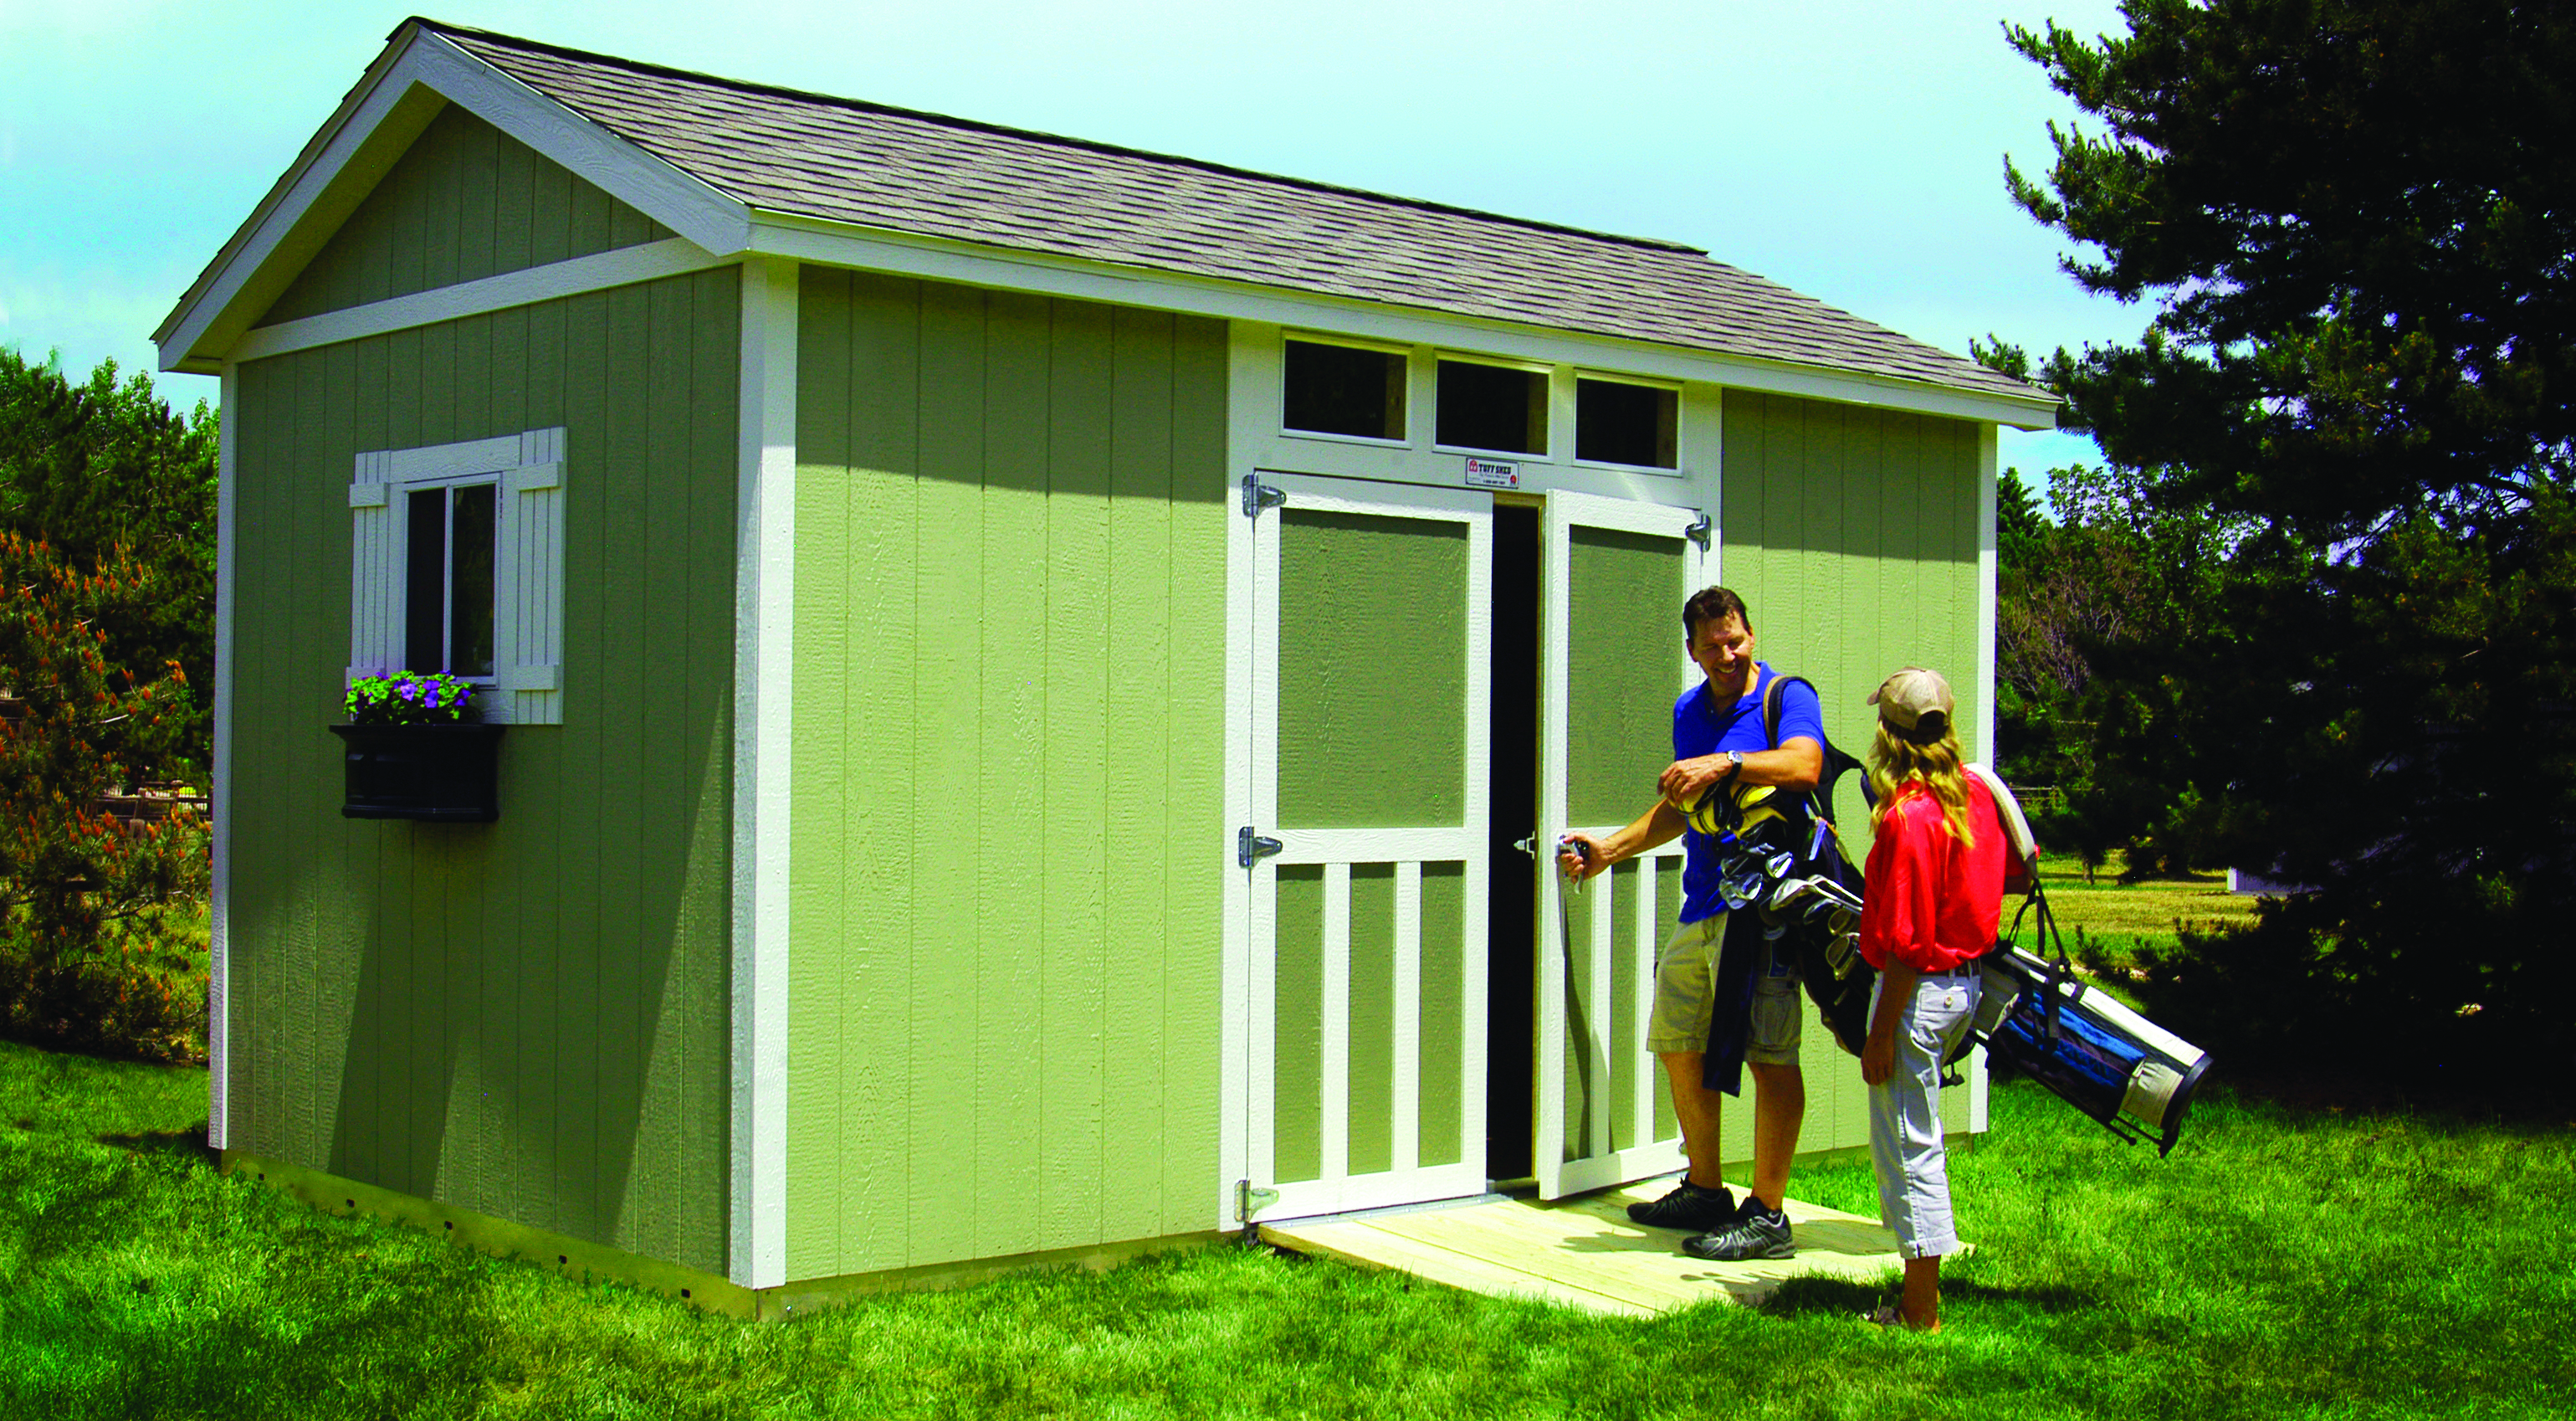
447,587
456,565
1619,423
1492,407
1340,389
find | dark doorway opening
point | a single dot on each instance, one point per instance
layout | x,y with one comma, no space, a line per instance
1511,913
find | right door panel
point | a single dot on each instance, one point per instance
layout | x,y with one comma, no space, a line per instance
1616,574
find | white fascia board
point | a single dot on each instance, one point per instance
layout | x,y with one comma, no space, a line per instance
967,264
600,271
651,186
419,73
337,168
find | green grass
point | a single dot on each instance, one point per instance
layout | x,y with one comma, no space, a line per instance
2282,1263
2120,918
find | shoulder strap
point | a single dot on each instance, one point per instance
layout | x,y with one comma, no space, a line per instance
1838,763
2016,825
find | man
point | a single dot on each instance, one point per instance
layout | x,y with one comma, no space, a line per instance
1718,1004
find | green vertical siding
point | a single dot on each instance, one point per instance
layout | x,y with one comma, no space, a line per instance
466,201
527,1019
1009,751
1852,535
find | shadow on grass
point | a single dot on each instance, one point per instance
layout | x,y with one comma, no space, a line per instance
1815,1295
188,1146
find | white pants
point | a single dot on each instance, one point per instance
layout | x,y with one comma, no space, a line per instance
1905,1116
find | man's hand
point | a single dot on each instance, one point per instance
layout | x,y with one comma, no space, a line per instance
1878,1055
1579,867
1684,781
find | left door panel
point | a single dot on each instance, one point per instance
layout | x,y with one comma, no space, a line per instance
1370,627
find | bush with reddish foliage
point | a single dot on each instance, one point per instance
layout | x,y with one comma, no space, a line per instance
89,957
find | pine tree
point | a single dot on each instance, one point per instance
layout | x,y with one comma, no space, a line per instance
2356,224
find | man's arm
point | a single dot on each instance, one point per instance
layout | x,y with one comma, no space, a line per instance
1657,826
1797,765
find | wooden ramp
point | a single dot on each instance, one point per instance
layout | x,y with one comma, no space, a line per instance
1584,1253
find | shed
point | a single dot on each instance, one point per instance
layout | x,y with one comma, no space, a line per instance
930,567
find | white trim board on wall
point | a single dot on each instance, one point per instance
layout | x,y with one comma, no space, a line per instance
220,799
672,256
763,701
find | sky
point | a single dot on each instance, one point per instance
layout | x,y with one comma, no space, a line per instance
1851,149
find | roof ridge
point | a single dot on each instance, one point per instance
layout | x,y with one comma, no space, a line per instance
1058,139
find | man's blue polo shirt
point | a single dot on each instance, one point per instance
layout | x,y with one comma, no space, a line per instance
1700,728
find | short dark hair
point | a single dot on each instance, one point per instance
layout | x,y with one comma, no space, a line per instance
1713,604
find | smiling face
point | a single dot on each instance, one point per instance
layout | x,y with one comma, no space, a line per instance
1723,650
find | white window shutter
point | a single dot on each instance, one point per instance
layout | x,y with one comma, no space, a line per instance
527,631
375,569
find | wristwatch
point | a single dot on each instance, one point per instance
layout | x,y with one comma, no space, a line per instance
1734,763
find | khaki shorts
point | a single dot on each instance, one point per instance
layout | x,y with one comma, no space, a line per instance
1686,997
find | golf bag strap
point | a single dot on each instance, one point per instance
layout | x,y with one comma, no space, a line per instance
1838,763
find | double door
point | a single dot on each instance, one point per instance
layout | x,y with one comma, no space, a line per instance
1361,782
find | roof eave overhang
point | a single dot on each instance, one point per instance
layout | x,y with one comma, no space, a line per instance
976,264
419,73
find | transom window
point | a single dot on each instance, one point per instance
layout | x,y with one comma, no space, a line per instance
1616,422
1492,407
1341,389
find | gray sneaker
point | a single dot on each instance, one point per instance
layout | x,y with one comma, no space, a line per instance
1688,1206
1756,1233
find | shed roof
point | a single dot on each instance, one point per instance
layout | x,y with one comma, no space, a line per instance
848,161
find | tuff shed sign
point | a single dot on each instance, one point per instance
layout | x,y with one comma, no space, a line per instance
1492,473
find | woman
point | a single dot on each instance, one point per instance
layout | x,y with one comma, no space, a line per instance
1933,897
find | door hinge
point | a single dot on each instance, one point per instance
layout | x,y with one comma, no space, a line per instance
1258,496
1250,848
1249,1201
1698,531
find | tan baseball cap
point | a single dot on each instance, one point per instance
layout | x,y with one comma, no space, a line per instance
1916,704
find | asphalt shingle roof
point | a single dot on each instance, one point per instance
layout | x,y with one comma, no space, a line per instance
874,166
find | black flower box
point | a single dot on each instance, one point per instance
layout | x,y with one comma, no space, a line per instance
443,774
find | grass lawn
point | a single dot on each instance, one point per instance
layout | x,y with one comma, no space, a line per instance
2122,917
2282,1263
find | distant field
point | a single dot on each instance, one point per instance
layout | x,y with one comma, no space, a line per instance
2125,917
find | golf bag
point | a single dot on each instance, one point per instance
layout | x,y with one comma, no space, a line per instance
2094,1053
1780,855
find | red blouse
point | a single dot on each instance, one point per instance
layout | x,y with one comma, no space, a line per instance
1927,899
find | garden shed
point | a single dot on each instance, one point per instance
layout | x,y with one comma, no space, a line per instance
1022,665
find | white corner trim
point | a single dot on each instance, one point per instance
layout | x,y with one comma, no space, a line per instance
763,699
672,256
939,259
1987,459
1986,589
220,791
418,74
